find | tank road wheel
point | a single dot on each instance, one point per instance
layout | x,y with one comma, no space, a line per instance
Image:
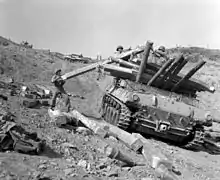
115,117
104,106
111,115
115,113
107,116
124,118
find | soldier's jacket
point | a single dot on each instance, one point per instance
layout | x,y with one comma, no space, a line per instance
57,80
158,58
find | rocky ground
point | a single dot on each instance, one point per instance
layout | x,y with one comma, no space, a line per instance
76,153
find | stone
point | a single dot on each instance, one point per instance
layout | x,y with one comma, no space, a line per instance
113,173
84,131
42,166
126,168
101,166
82,163
68,171
69,145
113,138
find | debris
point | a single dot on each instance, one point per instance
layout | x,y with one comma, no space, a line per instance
113,173
69,145
69,171
146,178
113,138
30,103
102,165
163,173
42,166
14,137
3,97
83,130
82,163
115,153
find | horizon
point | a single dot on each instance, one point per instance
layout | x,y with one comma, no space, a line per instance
98,26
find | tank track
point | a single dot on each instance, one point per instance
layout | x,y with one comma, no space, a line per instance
198,141
115,112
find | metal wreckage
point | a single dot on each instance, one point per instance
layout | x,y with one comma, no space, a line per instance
155,100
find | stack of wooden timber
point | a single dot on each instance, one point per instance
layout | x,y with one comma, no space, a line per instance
167,77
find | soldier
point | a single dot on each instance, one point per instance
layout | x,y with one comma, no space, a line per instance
58,82
162,51
119,50
160,56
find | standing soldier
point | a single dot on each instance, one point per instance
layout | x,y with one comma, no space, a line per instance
58,82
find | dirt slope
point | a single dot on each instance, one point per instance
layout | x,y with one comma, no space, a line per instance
84,159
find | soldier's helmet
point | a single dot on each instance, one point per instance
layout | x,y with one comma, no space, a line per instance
162,48
57,70
119,47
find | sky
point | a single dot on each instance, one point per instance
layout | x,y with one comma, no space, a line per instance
98,26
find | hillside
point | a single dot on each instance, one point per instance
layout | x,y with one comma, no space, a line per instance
75,155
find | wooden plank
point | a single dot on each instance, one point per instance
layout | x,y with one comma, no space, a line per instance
83,70
144,60
160,72
188,75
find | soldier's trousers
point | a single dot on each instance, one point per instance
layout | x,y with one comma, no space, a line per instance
59,90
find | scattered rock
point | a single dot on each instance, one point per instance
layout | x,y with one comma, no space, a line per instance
113,173
67,152
113,138
43,161
69,160
69,145
42,166
101,166
30,103
84,131
82,163
53,163
88,167
69,171
126,168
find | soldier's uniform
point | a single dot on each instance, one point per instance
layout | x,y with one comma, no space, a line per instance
159,56
118,52
58,82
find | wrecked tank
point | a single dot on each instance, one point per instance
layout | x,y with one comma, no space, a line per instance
156,101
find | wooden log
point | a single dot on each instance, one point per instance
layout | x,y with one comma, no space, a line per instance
188,75
200,85
174,73
125,63
126,55
83,70
179,68
126,73
151,69
144,60
115,153
171,68
160,72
